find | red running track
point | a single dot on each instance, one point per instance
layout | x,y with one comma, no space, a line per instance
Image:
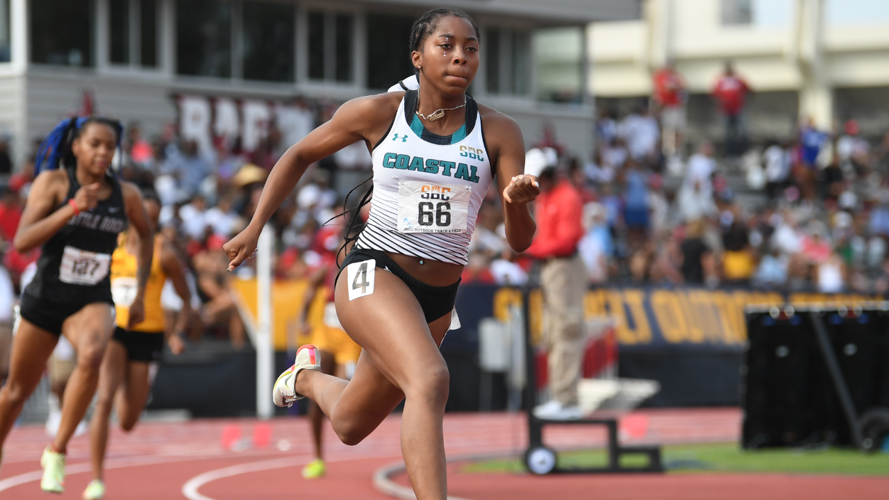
188,460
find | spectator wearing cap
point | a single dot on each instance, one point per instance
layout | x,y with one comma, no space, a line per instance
697,257
636,209
558,212
731,92
811,143
597,246
669,95
852,150
738,263
641,133
777,168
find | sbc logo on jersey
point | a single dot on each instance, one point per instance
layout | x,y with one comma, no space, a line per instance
435,193
471,153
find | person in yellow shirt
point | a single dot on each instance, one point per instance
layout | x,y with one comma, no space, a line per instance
130,361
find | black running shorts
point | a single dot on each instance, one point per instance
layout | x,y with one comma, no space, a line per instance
47,315
141,346
436,301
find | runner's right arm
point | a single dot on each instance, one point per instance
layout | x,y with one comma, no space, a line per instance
39,223
360,119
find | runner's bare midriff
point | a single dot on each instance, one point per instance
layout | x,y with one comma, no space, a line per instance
430,272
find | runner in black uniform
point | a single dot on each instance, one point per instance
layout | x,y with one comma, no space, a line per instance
75,213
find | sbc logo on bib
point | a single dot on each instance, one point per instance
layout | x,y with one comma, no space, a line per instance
435,193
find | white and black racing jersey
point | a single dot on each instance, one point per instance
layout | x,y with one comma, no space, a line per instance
427,188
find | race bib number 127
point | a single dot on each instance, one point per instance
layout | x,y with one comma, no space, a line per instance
432,208
80,267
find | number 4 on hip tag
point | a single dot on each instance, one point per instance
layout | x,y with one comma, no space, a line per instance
361,278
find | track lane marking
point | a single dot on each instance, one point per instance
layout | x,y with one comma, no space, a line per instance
190,488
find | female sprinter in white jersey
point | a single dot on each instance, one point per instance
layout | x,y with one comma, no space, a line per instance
435,152
75,213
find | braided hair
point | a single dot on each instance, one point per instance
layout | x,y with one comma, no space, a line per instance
55,150
427,23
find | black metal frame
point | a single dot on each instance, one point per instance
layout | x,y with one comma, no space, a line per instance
836,376
536,425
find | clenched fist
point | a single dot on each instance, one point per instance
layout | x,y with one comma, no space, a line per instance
87,197
522,189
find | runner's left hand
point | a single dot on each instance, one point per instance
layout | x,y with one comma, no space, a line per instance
176,344
522,189
137,313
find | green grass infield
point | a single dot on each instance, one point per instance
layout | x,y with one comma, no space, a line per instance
719,457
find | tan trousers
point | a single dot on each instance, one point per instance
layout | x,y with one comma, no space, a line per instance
564,284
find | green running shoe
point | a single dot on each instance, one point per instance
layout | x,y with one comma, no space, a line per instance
314,469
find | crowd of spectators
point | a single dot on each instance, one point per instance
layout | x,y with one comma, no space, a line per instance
812,213
809,212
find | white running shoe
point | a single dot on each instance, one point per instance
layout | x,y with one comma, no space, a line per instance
554,410
94,491
307,358
53,464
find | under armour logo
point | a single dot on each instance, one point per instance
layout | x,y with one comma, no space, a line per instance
403,138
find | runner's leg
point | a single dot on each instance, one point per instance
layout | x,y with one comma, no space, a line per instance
88,330
133,394
400,359
328,364
111,375
31,348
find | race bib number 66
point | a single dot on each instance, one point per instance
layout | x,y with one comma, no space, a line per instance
432,208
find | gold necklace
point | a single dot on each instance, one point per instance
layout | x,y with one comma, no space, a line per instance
438,113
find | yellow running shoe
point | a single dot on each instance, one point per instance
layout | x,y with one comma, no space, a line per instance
95,490
307,358
53,464
314,469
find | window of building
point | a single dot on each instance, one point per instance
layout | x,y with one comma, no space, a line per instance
331,37
62,32
736,12
492,60
203,38
268,39
507,61
132,37
344,26
5,51
856,12
316,45
388,58
148,33
119,39
759,14
558,60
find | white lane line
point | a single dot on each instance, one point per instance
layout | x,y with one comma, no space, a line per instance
190,488
119,463
27,477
